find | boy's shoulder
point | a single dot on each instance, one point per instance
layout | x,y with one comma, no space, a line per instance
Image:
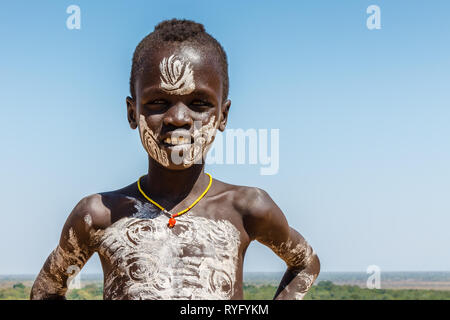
245,199
259,212
98,208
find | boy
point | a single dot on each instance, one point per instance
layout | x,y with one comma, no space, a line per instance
176,233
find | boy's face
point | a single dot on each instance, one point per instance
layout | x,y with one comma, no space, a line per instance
178,105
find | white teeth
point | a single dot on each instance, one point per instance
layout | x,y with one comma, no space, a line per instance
176,140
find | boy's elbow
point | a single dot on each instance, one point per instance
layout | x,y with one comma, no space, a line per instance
310,264
317,262
314,264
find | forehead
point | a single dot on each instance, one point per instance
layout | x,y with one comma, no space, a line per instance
202,61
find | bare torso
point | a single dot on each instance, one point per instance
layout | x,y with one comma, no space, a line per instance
200,258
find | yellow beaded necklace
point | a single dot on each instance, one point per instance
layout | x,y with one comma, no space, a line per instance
172,221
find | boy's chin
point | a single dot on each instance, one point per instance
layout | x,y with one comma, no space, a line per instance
179,164
182,164
180,167
179,157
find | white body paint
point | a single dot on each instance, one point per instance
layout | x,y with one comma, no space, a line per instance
152,261
295,256
305,281
150,143
62,264
87,222
177,76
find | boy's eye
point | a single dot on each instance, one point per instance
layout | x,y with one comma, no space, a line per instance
199,103
158,102
158,105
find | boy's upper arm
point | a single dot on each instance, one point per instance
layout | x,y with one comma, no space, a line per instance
77,240
264,221
80,226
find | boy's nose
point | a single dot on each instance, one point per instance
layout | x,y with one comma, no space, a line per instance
178,116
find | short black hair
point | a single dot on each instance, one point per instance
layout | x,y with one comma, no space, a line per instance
173,31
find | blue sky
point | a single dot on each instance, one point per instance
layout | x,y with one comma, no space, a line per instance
363,118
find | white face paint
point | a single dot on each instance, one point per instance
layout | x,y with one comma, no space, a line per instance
150,143
151,261
177,75
189,154
202,142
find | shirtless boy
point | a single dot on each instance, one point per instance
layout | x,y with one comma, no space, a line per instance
179,99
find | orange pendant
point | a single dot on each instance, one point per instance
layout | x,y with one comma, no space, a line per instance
171,222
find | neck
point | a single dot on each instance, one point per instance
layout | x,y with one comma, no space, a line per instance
169,187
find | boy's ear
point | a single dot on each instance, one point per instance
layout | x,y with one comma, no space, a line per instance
131,112
224,115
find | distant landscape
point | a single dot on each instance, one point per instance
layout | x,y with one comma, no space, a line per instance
263,285
389,280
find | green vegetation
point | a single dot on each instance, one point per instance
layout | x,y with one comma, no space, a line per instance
324,290
16,292
327,290
89,292
259,292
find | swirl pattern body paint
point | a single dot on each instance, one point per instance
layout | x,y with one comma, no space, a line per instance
151,261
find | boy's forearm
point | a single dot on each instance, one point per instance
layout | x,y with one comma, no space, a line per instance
65,261
46,288
296,282
50,284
